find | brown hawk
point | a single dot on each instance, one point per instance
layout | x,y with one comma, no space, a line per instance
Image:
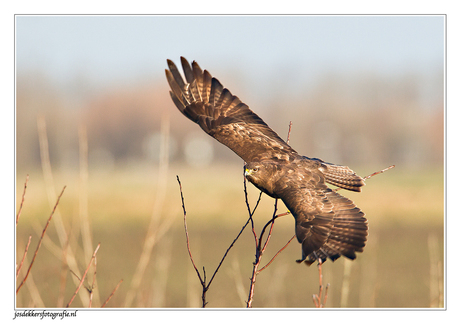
327,224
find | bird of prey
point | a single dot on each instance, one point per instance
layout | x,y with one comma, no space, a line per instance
327,224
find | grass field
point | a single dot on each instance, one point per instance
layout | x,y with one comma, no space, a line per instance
402,264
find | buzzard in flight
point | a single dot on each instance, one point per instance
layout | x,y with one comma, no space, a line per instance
327,224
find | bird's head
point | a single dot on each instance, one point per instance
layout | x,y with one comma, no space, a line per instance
262,175
251,171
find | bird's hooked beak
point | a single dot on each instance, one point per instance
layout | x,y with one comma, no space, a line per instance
247,171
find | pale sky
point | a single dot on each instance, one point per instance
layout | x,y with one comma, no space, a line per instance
257,48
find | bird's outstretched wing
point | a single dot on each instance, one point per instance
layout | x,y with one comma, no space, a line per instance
328,225
202,99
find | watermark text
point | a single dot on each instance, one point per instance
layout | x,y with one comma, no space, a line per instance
41,314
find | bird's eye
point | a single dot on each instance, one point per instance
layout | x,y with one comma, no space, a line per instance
255,169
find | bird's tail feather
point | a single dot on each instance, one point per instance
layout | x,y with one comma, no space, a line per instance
341,176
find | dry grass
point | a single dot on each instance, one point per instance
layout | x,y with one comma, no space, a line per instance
400,267
135,212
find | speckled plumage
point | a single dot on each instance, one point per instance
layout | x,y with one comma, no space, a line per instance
327,224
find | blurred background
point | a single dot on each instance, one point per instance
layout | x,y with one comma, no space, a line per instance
93,113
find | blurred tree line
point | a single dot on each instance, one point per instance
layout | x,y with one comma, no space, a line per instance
354,120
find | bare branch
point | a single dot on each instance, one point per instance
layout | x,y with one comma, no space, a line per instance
373,174
205,286
279,251
202,281
113,292
186,230
378,172
289,132
272,221
226,252
84,275
22,200
260,249
91,290
325,295
40,241
23,257
317,298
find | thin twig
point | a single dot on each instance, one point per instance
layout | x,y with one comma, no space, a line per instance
91,290
22,200
76,276
40,241
260,249
280,250
186,230
256,263
84,275
378,172
226,252
315,301
249,207
372,174
23,257
202,281
113,292
247,201
320,271
252,286
325,295
317,298
271,221
205,286
88,288
289,132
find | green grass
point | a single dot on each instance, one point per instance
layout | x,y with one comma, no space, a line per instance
403,208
